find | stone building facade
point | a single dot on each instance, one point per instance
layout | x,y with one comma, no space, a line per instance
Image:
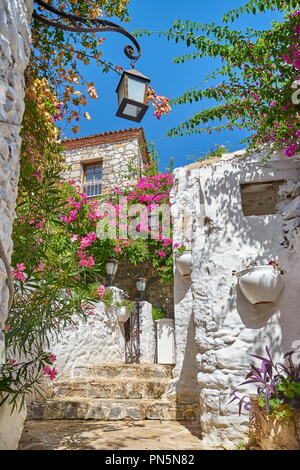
118,157
15,16
121,155
231,211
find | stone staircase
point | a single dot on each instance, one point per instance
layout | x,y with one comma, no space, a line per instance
114,392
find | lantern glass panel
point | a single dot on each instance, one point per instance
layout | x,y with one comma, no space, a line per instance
111,268
136,89
141,285
122,89
132,110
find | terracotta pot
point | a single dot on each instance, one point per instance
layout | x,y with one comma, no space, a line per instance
183,263
261,284
123,314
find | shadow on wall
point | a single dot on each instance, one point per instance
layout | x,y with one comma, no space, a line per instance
235,240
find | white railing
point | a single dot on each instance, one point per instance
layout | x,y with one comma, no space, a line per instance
92,188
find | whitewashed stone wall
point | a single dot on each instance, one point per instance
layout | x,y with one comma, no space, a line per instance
100,339
14,53
227,327
115,158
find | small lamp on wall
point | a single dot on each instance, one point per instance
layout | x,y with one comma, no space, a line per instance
132,95
140,287
111,268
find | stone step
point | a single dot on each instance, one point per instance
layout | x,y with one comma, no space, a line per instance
118,388
112,409
143,371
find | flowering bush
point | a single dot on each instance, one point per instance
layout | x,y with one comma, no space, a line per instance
58,56
278,388
258,88
160,103
82,215
59,261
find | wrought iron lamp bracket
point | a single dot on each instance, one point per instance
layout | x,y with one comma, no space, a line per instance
78,24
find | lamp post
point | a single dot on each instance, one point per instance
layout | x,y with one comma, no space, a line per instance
140,287
111,268
133,86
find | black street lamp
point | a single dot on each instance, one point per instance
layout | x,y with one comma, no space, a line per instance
133,86
141,286
111,268
132,95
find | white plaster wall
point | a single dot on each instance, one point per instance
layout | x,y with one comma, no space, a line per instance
147,334
11,427
98,340
185,199
227,327
14,53
101,339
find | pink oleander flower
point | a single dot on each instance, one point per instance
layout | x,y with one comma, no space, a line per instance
40,267
52,373
117,249
19,275
101,291
38,175
52,358
21,267
74,238
85,261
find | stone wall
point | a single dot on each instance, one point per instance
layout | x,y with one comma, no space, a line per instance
121,153
14,53
210,220
158,293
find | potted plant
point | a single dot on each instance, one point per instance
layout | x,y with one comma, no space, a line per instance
183,261
261,283
125,309
275,409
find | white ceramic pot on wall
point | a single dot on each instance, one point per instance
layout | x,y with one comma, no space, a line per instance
183,263
123,313
261,284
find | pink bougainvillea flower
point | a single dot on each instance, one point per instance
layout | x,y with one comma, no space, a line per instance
74,238
162,254
38,175
88,240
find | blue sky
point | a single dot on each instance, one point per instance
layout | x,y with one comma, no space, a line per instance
167,78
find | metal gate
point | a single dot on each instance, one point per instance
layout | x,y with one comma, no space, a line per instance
132,337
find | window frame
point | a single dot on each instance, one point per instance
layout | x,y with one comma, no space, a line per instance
85,166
